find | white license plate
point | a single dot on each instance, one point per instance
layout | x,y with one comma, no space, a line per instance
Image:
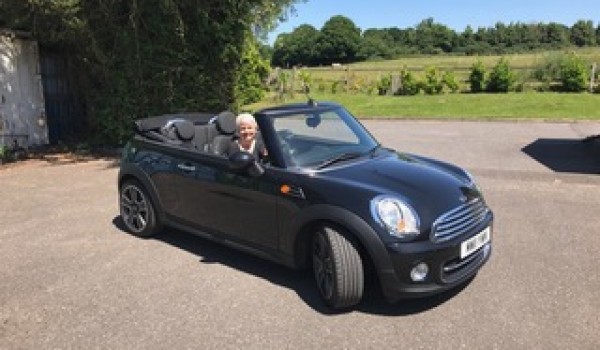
471,245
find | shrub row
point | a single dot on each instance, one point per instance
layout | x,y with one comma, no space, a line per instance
565,73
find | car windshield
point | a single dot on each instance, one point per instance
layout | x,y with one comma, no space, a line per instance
321,138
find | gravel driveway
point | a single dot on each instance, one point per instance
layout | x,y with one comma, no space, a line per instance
71,278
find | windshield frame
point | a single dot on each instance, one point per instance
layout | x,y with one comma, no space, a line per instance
366,141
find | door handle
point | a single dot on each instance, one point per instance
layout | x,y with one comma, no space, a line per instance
186,167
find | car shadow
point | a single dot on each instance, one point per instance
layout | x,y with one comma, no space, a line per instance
567,155
299,281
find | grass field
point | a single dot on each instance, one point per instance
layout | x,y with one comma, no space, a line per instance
367,72
520,61
512,106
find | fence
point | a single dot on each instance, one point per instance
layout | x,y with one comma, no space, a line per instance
349,79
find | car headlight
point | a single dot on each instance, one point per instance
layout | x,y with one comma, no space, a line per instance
398,218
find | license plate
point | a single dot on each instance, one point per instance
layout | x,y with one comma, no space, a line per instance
471,245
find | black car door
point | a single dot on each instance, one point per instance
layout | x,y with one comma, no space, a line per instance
218,200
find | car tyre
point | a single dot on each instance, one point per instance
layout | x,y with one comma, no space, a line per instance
137,210
338,268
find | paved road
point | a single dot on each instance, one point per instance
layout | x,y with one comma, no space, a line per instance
70,278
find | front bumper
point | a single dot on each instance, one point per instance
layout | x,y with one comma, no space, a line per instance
446,269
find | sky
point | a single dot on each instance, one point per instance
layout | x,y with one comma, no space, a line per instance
456,14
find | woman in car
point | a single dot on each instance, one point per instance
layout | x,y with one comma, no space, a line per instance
246,139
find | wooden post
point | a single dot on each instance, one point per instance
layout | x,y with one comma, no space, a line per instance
395,85
293,81
346,82
280,87
593,77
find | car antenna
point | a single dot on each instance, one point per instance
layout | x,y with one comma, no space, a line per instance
311,102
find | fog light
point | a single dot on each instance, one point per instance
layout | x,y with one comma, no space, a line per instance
419,272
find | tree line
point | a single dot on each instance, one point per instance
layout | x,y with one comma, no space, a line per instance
341,41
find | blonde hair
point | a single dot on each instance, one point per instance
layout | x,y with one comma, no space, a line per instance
245,118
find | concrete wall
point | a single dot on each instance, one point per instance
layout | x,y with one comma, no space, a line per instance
22,114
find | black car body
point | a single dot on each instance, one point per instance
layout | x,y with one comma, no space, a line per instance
327,196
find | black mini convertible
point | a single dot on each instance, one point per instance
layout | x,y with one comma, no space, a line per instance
327,196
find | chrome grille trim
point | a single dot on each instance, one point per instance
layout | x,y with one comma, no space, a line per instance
459,220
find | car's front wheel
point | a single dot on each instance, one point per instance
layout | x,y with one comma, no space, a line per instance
338,268
137,210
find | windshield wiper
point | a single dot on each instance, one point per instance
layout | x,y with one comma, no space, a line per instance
339,158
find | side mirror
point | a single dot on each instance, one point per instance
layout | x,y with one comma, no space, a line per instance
313,121
241,160
244,161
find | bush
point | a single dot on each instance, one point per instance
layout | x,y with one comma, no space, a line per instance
477,77
3,153
384,84
370,88
306,78
322,87
335,86
548,71
355,83
282,82
574,75
450,81
254,70
409,86
433,84
501,79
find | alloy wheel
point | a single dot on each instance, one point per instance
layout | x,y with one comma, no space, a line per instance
323,266
134,208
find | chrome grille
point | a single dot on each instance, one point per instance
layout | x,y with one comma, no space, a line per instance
459,220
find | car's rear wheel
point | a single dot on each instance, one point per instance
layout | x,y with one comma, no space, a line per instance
338,268
137,210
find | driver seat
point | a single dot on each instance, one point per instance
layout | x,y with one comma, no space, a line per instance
225,125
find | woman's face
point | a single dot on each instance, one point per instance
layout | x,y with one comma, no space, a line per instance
247,131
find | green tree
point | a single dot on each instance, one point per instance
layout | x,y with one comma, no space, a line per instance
266,51
573,74
297,48
409,85
254,70
557,35
433,84
583,33
477,77
501,78
548,71
376,43
374,47
340,41
384,84
449,80
137,58
467,42
434,38
281,52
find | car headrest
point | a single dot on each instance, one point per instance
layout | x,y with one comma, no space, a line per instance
182,129
226,123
